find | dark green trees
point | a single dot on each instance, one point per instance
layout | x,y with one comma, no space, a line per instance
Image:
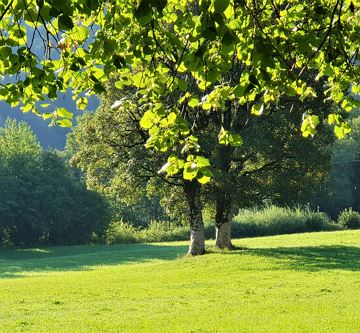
41,200
342,188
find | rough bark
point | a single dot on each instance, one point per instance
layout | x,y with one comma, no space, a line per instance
197,233
224,214
223,220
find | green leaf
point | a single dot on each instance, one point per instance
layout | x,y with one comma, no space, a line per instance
159,4
5,51
62,112
64,123
309,124
143,12
346,105
235,140
257,109
204,175
109,45
17,36
221,5
65,22
47,115
206,106
194,102
182,85
355,89
190,171
147,120
342,130
26,108
99,88
171,118
228,38
202,161
239,90
203,179
173,165
334,119
82,103
118,61
79,33
223,137
64,7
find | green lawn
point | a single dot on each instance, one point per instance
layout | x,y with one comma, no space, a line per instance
291,283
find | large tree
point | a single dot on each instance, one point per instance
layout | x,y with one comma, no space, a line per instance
179,57
274,162
109,146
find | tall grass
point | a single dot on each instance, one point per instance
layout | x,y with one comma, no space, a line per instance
349,219
275,220
267,221
157,231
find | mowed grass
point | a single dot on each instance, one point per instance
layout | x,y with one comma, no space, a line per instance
291,283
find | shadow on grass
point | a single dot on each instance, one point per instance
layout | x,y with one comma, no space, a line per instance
312,258
19,262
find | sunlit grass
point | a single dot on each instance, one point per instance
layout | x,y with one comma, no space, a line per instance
292,283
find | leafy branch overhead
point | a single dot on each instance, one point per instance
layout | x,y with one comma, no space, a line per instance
183,60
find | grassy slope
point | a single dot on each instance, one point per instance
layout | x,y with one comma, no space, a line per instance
291,283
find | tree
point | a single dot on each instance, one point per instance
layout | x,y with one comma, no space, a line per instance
108,146
41,199
178,57
273,162
341,190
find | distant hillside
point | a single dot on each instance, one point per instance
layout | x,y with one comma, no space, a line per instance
49,137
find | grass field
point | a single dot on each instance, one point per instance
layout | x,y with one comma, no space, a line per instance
291,283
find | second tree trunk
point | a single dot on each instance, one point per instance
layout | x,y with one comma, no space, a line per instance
197,233
223,220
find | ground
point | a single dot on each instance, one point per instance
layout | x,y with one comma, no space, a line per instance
291,283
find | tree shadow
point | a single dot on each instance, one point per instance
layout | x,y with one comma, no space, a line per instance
22,262
311,258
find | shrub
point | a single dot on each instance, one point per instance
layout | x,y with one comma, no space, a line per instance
275,220
349,219
160,231
156,231
120,232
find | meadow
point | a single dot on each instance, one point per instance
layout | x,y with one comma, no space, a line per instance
306,282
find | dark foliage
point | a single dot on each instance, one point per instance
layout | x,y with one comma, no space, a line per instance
41,200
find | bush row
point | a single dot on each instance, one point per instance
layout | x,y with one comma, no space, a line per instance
268,221
157,231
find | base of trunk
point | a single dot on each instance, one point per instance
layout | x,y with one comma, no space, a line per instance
197,241
197,232
223,236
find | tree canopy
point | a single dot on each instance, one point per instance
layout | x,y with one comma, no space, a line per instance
176,58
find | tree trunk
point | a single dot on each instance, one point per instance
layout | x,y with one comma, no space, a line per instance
197,233
223,220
